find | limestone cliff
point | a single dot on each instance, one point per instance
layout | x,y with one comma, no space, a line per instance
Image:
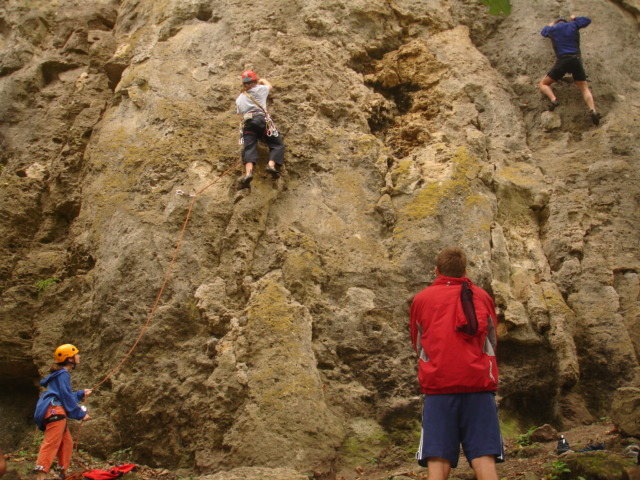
410,125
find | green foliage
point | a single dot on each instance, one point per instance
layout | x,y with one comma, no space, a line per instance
557,470
498,7
123,455
524,439
42,285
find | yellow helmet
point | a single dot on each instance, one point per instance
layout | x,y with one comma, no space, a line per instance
63,352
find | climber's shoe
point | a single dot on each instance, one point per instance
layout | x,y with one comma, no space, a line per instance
245,182
595,117
553,105
273,172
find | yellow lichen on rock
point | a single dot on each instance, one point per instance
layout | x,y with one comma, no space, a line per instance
269,312
428,200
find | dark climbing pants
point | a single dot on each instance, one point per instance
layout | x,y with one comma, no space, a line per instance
254,130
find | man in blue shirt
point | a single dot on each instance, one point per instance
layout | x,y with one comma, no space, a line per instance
565,37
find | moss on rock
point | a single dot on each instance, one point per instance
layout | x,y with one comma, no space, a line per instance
596,466
364,443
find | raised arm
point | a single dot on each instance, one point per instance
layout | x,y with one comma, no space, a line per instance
547,30
266,83
581,21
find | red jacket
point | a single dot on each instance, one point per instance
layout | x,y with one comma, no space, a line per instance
451,361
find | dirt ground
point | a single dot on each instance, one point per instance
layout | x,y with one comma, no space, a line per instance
529,462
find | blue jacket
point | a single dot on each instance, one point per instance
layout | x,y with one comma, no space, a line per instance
565,36
59,392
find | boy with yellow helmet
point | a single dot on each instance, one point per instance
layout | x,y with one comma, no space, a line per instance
55,405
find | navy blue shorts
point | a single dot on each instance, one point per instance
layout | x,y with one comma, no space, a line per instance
470,419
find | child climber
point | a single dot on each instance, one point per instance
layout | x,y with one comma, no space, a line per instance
54,406
256,125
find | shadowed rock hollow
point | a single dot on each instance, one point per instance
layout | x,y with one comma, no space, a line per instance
281,340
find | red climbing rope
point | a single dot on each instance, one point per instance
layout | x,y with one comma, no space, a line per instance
154,307
165,281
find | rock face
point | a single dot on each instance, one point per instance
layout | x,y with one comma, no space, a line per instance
625,410
409,126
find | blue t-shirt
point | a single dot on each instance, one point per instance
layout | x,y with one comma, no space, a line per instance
565,36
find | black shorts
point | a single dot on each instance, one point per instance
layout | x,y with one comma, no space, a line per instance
569,64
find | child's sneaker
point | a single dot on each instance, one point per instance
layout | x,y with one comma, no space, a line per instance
595,117
273,172
245,182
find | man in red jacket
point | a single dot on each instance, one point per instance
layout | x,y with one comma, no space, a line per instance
453,331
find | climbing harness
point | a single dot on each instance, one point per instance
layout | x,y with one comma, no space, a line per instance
271,130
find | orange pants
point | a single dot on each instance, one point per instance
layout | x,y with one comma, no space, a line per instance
57,442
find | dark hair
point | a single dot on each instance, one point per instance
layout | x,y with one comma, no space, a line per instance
242,89
452,262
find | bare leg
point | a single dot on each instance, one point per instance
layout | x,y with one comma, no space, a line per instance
545,87
439,468
485,467
248,169
586,94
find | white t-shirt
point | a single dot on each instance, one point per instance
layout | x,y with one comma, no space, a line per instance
244,104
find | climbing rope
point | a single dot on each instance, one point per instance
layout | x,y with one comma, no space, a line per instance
167,276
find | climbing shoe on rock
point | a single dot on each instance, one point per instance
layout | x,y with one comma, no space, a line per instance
245,182
595,117
553,105
273,172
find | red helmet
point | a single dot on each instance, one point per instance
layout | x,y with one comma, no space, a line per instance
249,76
